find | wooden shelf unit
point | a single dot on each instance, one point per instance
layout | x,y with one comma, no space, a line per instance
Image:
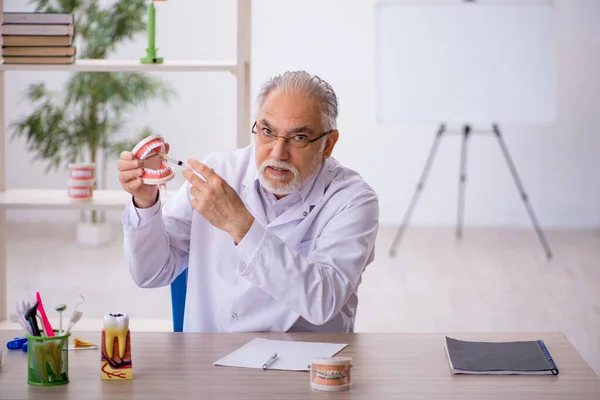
57,199
107,199
107,65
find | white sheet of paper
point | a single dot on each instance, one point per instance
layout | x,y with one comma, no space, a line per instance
291,355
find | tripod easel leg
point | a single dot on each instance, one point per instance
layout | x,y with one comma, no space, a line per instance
417,193
513,171
462,183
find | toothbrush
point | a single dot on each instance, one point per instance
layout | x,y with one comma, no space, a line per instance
75,317
47,327
21,320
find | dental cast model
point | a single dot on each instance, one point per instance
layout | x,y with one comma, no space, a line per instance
81,181
47,364
116,357
156,169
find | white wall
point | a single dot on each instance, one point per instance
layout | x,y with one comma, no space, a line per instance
335,39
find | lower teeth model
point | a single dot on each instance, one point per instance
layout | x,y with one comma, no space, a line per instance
156,169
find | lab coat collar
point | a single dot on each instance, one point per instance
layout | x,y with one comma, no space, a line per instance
315,188
250,196
312,192
251,170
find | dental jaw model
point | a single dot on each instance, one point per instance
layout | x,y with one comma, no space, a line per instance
116,348
81,181
156,169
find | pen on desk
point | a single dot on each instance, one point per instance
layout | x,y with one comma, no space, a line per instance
182,164
270,361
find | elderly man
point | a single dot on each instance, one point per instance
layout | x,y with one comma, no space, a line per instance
279,234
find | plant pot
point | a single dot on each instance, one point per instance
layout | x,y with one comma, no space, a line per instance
93,234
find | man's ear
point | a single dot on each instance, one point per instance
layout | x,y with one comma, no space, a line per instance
332,139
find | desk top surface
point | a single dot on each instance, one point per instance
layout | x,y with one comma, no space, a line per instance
386,366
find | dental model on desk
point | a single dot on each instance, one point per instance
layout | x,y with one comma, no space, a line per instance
31,319
115,362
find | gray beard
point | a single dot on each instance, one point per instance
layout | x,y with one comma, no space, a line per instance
283,189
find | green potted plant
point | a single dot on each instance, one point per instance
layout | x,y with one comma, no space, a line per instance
81,125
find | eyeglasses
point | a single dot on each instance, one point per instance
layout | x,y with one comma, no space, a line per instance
298,141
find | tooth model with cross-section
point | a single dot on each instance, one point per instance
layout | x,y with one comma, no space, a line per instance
116,348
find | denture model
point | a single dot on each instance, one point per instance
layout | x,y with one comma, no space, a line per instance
156,169
80,189
83,171
81,181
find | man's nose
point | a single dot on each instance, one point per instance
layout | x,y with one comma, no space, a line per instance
280,150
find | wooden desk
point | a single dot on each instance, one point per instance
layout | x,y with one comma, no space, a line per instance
386,366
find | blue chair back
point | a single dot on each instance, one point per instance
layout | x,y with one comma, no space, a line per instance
178,293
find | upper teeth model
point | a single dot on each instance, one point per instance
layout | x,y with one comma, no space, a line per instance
156,169
116,326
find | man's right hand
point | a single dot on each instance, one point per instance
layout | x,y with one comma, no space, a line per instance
130,176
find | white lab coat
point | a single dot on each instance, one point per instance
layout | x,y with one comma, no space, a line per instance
297,272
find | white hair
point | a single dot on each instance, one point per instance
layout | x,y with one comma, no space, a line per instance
312,85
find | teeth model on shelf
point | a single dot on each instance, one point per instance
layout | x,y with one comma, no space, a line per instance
36,198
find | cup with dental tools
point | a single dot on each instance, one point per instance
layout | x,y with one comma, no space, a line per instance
47,348
33,318
48,359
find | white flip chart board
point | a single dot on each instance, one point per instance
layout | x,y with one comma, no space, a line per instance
457,61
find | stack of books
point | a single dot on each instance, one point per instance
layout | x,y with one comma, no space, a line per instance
38,38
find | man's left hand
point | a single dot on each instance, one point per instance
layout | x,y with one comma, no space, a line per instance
218,202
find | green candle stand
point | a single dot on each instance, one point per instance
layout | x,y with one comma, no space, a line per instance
151,50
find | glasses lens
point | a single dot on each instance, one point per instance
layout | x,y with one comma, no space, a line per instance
298,143
265,137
